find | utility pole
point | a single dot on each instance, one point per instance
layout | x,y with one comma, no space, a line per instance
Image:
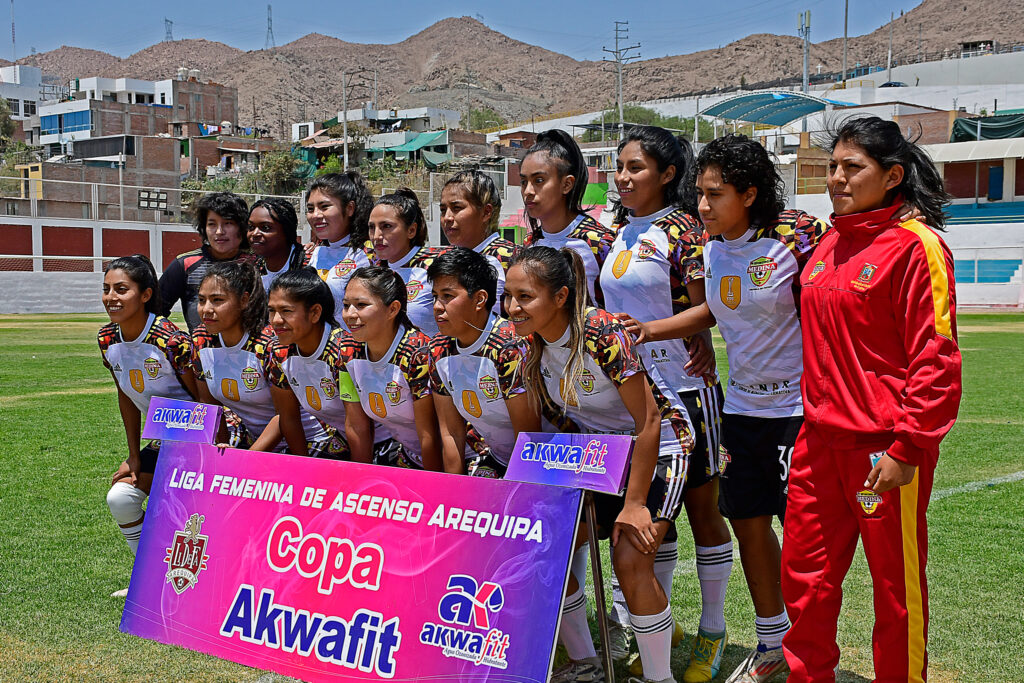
622,57
269,43
168,25
888,62
254,115
846,26
14,51
805,33
344,110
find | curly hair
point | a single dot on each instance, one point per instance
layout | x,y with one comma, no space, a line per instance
743,164
227,205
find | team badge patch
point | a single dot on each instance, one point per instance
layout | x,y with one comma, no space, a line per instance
761,269
646,249
868,501
344,267
730,289
413,287
394,392
723,459
587,381
816,270
187,555
863,280
250,377
621,263
489,386
152,366
329,386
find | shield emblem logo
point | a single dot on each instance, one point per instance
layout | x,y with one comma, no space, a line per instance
394,392
187,555
587,381
329,386
138,382
413,287
152,366
760,270
250,377
621,263
489,386
818,268
730,291
646,249
869,501
344,267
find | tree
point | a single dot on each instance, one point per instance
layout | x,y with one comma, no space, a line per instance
485,117
277,171
646,117
7,124
331,165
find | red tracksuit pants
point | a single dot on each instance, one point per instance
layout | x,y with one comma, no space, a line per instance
828,508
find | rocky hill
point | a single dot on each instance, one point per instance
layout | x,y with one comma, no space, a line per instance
460,59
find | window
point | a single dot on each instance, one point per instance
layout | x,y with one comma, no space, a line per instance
303,131
28,107
163,98
71,122
49,125
14,105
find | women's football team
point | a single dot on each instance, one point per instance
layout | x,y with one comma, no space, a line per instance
373,346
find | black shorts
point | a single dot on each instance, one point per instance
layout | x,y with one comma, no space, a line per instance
753,464
704,406
391,453
486,465
147,457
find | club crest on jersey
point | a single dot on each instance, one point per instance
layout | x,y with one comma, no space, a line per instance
761,269
587,381
868,501
152,366
329,386
489,386
344,267
187,555
413,288
250,377
731,291
816,270
466,632
394,392
724,458
863,280
646,249
621,263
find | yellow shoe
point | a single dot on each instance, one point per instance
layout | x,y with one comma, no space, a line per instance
636,667
705,657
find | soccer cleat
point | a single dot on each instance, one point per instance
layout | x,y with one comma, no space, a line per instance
636,667
705,657
620,638
678,635
760,666
585,670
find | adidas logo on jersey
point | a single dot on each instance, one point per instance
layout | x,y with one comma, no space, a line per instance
117,367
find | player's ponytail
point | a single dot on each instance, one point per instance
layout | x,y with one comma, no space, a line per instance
244,281
568,160
303,285
407,204
557,269
140,270
667,150
387,285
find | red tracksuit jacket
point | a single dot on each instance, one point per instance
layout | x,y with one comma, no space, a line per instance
881,362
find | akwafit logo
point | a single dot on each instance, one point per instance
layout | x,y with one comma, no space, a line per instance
187,555
468,605
489,386
344,267
152,366
761,269
250,377
868,501
394,392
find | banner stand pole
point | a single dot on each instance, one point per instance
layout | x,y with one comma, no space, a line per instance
595,568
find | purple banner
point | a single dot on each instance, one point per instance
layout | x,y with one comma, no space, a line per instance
173,420
595,462
328,570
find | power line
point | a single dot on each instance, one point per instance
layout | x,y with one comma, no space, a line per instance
168,24
622,57
270,30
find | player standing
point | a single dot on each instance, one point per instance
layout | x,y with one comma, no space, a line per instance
273,234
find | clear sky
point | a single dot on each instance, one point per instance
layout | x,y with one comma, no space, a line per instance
578,29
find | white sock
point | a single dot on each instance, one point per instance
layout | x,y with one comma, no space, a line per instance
574,633
771,629
619,613
654,640
580,562
125,503
665,566
714,565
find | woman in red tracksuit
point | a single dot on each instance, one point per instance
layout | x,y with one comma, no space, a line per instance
881,387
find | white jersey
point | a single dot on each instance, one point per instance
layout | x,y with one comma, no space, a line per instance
314,378
480,378
652,260
413,269
491,248
751,290
237,379
149,365
586,237
271,275
335,264
389,387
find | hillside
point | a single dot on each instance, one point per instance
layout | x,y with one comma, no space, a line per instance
460,58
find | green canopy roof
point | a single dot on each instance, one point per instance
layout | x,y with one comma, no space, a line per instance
420,141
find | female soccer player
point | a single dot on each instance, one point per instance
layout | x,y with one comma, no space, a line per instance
222,219
655,270
309,358
476,364
233,349
337,207
390,370
553,180
470,209
587,364
399,235
273,234
881,388
147,356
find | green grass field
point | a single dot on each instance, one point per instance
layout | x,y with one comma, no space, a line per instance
61,555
